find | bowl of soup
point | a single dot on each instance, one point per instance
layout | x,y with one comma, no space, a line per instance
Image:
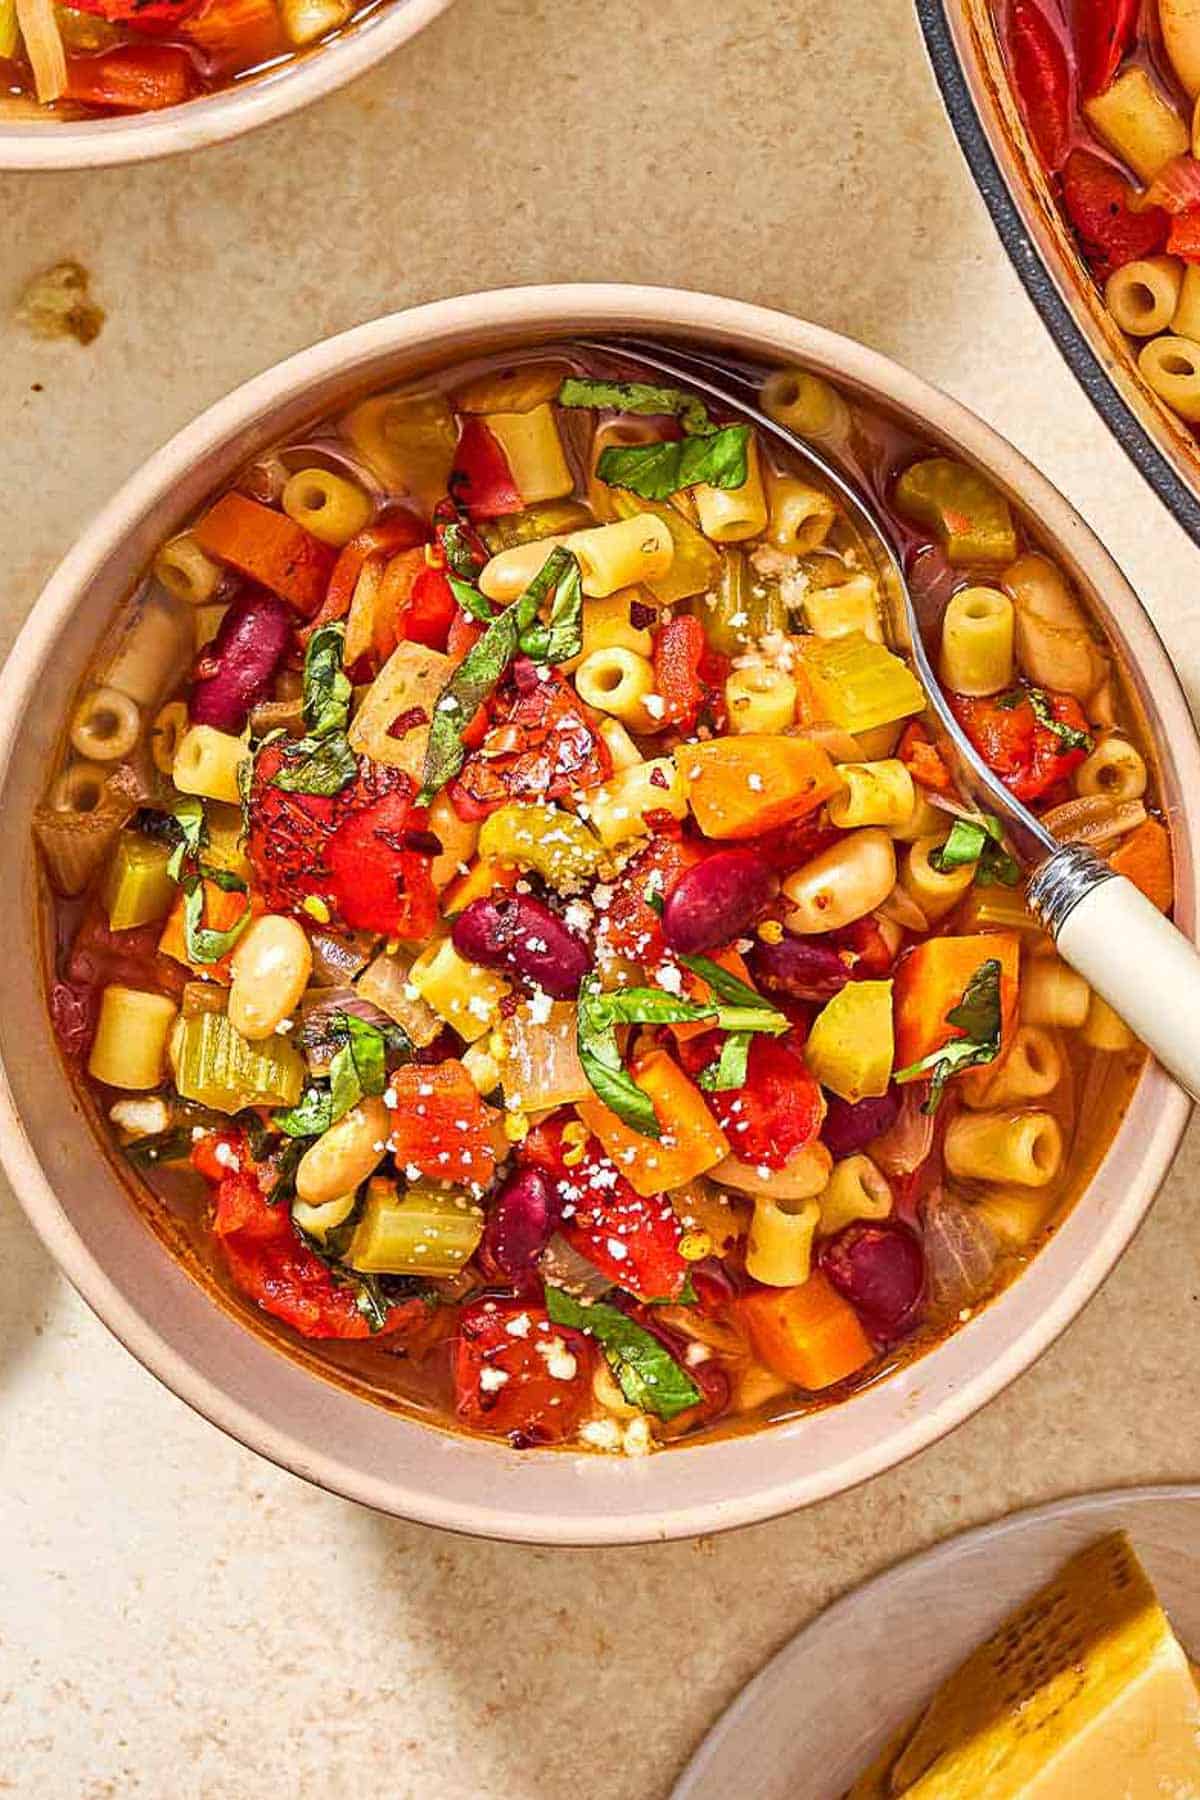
1076,122
510,1013
117,81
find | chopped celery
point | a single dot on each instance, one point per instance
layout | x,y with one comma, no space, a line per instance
696,564
548,518
137,888
858,684
427,1231
970,517
215,1066
554,844
740,608
996,908
851,1045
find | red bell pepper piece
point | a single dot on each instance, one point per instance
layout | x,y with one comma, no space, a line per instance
271,1264
1184,237
481,479
1099,205
463,633
1042,78
379,884
512,1380
687,674
133,77
1029,757
430,612
775,1114
632,1239
1104,31
540,746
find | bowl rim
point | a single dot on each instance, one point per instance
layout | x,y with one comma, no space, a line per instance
586,1506
1034,272
227,113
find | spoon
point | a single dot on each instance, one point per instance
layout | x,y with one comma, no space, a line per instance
1101,924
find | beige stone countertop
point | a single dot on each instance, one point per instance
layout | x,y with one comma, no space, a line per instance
178,1619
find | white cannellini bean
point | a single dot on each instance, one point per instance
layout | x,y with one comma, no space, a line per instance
271,967
343,1157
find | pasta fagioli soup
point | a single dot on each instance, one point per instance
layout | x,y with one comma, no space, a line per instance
1108,93
511,917
117,58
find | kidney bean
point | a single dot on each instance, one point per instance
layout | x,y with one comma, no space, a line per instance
716,901
880,1270
235,671
523,934
520,1220
852,1125
805,969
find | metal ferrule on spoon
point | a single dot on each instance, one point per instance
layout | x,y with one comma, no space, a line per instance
1101,924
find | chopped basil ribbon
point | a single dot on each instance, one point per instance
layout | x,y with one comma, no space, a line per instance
978,1017
201,943
471,600
462,558
979,840
172,1145
188,813
482,669
323,762
358,1069
716,454
637,397
646,1372
734,1008
731,1067
657,471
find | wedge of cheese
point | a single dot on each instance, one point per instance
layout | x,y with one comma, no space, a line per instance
1083,1694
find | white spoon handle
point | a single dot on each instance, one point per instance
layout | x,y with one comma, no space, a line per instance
1124,948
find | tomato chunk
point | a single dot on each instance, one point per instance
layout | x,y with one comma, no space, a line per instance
441,1126
540,746
519,1377
1030,757
776,1113
271,1264
1099,204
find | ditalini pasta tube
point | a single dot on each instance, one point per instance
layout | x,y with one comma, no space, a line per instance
610,557
1017,1149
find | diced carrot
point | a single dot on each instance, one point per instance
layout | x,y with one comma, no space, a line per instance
807,1334
697,989
395,592
692,1141
920,756
236,34
133,77
268,547
1145,859
739,787
481,879
932,978
221,910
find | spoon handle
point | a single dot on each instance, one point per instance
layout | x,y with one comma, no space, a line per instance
1127,952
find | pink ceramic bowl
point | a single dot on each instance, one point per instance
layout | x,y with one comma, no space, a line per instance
280,1406
49,143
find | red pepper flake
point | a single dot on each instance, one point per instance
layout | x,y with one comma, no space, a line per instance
408,721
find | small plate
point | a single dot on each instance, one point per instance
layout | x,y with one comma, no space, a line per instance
805,1728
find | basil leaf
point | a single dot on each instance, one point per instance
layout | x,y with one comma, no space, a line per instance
201,943
312,1114
724,985
731,1067
640,1006
318,766
462,557
327,689
471,600
600,1059
977,1015
1070,736
285,1164
188,813
979,840
637,397
472,683
562,636
656,471
647,1374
